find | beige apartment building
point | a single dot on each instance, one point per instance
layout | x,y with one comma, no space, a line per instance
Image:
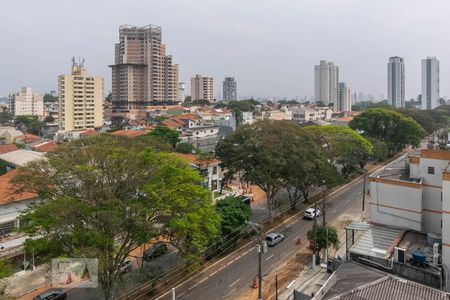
202,88
26,103
80,100
142,74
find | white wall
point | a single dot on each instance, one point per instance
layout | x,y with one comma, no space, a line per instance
446,228
396,205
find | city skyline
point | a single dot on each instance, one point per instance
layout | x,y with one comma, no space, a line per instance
258,42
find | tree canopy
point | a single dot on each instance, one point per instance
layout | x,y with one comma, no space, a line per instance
389,126
103,197
30,124
321,237
342,146
5,117
272,155
233,213
172,137
185,148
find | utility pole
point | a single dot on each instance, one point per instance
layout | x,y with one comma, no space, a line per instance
276,287
364,194
315,241
324,203
261,247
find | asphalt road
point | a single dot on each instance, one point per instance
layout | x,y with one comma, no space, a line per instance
234,274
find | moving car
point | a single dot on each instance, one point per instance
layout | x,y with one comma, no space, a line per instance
311,213
52,294
155,251
274,238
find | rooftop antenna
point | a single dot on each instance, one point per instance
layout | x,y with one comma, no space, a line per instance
82,62
73,61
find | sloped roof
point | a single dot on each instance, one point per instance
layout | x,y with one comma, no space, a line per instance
192,117
11,130
8,148
21,157
28,138
171,123
7,190
129,133
46,146
391,287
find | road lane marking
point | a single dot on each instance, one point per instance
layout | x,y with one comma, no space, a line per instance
290,284
269,257
234,282
331,197
203,280
213,273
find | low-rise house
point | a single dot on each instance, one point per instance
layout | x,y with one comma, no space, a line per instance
12,204
304,115
19,158
247,117
8,135
65,136
209,169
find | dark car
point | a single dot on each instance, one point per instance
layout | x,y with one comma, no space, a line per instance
52,294
155,251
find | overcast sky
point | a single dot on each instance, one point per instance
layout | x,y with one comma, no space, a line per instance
270,46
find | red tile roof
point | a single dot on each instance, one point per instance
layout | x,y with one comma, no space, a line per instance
46,147
8,190
8,148
192,117
172,124
88,133
129,133
28,138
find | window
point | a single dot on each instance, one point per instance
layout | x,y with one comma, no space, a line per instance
214,170
430,170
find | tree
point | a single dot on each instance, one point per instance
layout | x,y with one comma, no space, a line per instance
185,148
103,197
388,126
49,119
5,117
109,97
30,124
342,146
233,214
118,123
321,237
50,98
238,107
422,117
200,102
6,269
380,149
172,137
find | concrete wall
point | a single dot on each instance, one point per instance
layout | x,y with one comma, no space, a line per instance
446,229
396,205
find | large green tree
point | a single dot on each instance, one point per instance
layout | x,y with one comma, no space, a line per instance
172,137
30,124
342,146
389,126
323,234
234,214
5,117
104,196
422,117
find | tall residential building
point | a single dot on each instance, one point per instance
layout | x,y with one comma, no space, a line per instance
326,78
26,103
396,81
202,88
80,99
430,83
344,102
229,89
142,74
181,89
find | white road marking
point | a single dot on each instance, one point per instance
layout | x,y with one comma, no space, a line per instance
290,284
234,282
203,280
213,273
269,257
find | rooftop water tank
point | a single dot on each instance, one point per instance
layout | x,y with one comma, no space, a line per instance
419,257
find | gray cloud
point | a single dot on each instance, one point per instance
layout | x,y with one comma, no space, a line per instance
270,46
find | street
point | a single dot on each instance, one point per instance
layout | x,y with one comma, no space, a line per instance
234,274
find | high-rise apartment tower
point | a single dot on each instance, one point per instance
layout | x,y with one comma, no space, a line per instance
142,74
229,89
80,99
202,88
326,78
396,81
344,102
430,83
26,103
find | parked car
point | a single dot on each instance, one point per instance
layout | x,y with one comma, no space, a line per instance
155,251
274,238
311,213
126,266
52,294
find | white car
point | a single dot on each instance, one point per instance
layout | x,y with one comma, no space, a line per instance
274,238
311,213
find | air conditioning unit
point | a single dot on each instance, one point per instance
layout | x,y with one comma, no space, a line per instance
435,248
436,259
399,255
